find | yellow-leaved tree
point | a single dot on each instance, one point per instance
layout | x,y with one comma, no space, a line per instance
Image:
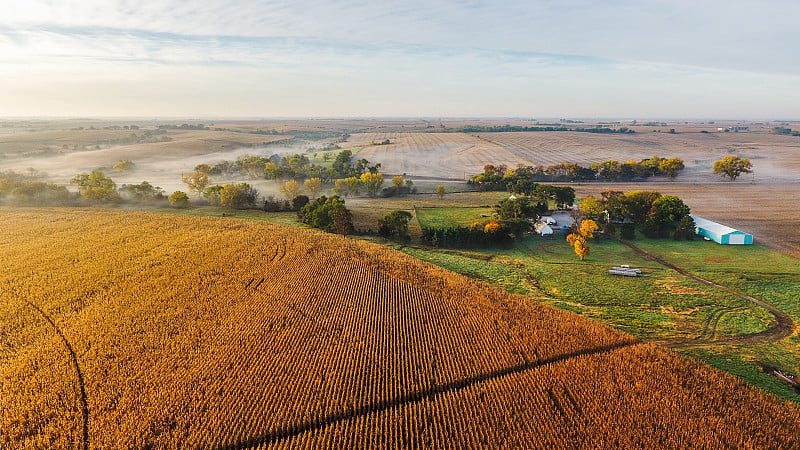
578,240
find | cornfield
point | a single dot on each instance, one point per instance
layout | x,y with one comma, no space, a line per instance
132,330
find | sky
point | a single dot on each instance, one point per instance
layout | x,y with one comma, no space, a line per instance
434,58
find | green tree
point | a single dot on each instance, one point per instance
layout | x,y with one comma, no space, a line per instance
665,214
394,224
686,229
732,167
96,187
516,208
142,192
343,163
179,199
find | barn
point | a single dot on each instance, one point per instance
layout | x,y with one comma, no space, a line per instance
721,234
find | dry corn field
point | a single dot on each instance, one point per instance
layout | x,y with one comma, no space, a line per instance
139,330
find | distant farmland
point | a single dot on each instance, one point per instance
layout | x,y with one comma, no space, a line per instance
125,329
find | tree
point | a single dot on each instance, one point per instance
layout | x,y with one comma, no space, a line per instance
124,166
343,222
732,167
666,213
516,208
342,163
340,187
394,224
289,189
238,196
353,184
179,199
323,212
205,168
211,194
197,182
578,239
671,167
143,192
397,182
591,208
372,182
97,187
313,185
686,229
440,191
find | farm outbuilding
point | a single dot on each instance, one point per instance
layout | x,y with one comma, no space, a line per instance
543,229
721,234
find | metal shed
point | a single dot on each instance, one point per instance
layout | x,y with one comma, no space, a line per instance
721,234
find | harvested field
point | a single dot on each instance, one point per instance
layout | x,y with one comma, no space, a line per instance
160,331
432,155
775,158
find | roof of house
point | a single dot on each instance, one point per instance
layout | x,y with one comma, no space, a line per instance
713,227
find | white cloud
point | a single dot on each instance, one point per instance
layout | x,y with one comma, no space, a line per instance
238,57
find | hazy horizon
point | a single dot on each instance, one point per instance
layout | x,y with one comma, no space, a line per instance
442,59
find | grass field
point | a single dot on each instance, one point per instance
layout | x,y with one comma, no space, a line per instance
168,331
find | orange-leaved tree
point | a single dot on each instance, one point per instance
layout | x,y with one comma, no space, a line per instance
578,239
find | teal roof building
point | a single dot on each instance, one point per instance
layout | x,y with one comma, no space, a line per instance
721,234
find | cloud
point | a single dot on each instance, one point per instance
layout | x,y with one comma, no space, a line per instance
317,57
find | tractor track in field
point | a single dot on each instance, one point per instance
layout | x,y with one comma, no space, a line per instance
74,359
415,397
784,324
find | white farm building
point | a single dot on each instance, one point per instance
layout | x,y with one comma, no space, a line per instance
721,234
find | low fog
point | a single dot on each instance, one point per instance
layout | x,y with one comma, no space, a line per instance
159,165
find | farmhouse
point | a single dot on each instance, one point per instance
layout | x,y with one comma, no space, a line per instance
721,234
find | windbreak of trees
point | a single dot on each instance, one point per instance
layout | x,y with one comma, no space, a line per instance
655,215
498,178
495,233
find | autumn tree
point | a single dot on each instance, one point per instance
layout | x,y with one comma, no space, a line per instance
671,167
313,185
179,199
124,166
397,182
578,239
732,167
238,196
197,182
340,187
591,208
353,185
289,189
372,182
97,187
440,191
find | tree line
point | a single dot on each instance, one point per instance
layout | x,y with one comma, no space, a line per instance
500,177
